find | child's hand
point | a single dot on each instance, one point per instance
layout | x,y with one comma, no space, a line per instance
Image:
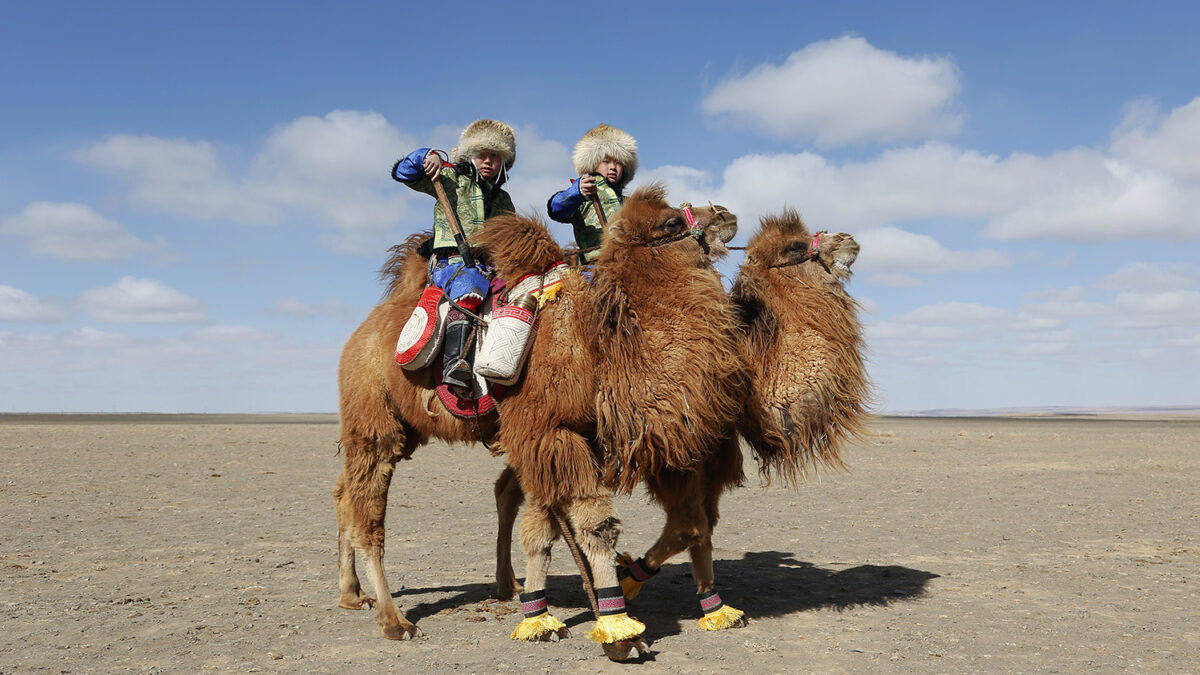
587,186
432,164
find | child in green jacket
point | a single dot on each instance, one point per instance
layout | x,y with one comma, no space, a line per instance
605,160
473,180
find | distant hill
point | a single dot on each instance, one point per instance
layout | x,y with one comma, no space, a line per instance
1054,411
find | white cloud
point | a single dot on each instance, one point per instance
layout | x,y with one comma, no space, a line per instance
964,313
1059,305
133,300
543,167
22,306
890,249
1145,276
226,368
92,338
335,170
179,177
844,91
1188,341
230,334
1139,189
332,169
1170,145
1158,309
74,232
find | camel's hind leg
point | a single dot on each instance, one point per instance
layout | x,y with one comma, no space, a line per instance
360,501
509,497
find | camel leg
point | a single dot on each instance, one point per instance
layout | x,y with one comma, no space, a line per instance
717,615
597,527
350,590
509,497
538,533
360,501
691,503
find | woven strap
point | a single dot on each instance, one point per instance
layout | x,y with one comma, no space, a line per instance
533,604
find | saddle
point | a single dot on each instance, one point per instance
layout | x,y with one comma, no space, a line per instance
502,334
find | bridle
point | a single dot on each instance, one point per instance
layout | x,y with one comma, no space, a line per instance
814,253
693,230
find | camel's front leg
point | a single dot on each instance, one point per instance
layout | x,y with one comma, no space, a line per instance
596,529
692,513
360,501
509,497
538,533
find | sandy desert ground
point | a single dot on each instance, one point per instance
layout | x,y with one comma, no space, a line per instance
190,543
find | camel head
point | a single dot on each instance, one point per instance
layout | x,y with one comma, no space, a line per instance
784,242
518,246
719,226
647,221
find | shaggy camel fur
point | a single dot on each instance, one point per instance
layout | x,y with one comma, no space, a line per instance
545,421
804,347
807,394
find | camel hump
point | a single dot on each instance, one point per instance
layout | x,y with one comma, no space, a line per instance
518,245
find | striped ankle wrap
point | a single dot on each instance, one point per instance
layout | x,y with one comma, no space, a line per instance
710,602
639,571
611,601
533,604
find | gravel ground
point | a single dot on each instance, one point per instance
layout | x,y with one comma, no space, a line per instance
189,543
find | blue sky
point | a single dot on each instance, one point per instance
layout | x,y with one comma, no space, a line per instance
194,198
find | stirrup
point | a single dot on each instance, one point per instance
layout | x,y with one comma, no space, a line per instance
458,377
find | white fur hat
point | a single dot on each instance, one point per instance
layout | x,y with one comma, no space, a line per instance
605,141
482,135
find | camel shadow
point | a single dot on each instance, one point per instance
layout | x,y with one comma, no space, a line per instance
773,584
764,584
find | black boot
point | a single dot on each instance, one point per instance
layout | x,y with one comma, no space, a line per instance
456,354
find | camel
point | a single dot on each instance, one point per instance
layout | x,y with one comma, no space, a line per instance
807,394
546,419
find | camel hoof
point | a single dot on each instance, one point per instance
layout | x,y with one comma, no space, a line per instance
555,635
361,602
625,650
403,632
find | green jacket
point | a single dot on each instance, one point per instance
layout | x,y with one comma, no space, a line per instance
471,197
570,206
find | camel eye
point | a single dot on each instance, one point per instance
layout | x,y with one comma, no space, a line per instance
674,225
795,248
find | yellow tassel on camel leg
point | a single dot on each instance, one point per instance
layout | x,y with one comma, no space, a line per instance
726,617
535,628
538,622
718,615
616,627
613,624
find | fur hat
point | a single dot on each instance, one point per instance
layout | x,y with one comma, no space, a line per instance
605,141
483,135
